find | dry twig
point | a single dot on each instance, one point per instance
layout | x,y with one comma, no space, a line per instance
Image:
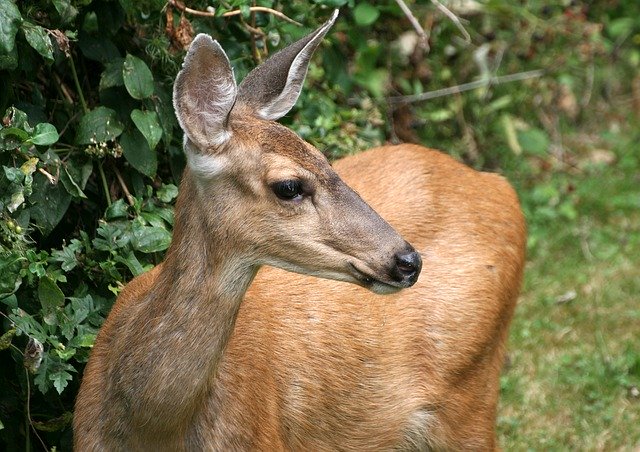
424,37
467,87
212,13
127,194
447,12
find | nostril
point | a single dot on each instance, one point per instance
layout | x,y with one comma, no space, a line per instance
408,265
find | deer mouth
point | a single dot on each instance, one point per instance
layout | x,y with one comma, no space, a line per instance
365,279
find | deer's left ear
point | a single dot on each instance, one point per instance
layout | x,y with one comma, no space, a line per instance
272,89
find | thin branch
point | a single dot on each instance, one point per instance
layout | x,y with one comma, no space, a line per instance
105,185
589,88
262,9
130,199
29,411
212,13
447,12
424,37
48,175
195,12
467,87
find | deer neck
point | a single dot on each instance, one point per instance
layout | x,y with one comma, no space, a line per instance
190,313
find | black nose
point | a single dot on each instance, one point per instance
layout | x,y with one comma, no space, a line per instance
408,266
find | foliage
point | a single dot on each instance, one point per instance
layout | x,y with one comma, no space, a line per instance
91,151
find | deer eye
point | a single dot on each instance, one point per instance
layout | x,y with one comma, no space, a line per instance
287,189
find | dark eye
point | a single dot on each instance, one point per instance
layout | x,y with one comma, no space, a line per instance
287,189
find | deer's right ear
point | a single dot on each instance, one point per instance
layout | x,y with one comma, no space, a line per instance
204,93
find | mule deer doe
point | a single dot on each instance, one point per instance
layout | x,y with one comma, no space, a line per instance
210,351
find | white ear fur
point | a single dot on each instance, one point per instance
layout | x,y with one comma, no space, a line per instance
204,93
291,91
204,165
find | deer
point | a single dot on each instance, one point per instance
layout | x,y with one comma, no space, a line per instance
304,306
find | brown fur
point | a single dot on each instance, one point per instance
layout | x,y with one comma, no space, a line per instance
314,364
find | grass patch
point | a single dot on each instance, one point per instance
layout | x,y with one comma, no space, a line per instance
574,373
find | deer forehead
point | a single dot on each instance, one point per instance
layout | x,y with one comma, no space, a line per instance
282,148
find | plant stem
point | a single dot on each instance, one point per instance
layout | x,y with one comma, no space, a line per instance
105,186
77,83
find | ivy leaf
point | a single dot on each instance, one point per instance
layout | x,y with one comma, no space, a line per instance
99,125
147,124
116,210
50,295
150,239
132,263
50,203
60,380
66,10
44,134
67,255
112,74
74,176
136,150
167,193
8,61
137,77
10,20
39,39
365,14
12,138
97,48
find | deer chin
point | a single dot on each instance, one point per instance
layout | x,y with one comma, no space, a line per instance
365,279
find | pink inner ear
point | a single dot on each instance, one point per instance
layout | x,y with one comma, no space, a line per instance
204,93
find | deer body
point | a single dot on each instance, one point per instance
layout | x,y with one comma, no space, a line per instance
212,351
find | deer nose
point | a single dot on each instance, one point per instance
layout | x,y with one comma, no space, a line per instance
407,267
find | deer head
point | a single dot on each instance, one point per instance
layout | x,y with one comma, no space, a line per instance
271,197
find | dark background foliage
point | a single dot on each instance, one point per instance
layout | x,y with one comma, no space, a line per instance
91,152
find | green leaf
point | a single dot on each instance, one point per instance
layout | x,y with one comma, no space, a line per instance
99,125
44,134
167,193
132,263
50,295
9,61
533,141
50,203
137,77
375,81
12,138
138,153
365,14
147,124
116,210
98,48
112,74
38,38
74,176
5,339
66,10
60,380
71,185
150,239
10,20
14,175
11,301
67,255
10,280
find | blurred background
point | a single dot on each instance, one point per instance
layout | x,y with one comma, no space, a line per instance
545,93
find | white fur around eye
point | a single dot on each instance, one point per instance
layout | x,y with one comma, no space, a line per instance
206,165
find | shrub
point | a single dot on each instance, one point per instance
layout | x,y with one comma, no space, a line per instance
91,152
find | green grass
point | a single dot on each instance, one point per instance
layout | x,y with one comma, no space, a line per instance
574,361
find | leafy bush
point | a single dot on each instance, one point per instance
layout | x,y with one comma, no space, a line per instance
91,152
